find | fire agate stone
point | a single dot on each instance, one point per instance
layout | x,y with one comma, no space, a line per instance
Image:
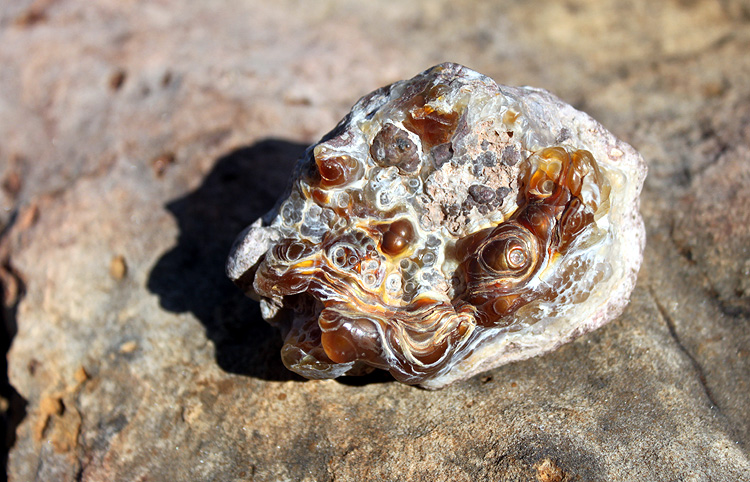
446,226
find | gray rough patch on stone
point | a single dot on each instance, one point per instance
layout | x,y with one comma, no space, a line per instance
250,245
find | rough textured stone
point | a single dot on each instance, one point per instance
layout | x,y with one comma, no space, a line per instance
362,265
155,133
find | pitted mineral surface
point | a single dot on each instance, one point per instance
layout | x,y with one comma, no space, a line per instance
446,226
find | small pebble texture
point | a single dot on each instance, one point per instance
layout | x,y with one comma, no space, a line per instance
138,138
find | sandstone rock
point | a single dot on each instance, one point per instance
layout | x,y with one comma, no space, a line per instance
182,377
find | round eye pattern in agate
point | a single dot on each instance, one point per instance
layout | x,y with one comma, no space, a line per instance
397,237
506,255
337,171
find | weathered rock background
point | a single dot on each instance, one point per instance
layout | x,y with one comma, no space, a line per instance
137,138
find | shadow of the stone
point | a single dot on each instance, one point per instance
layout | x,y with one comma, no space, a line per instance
13,411
242,186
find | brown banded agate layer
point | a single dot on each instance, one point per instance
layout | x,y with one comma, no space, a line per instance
448,225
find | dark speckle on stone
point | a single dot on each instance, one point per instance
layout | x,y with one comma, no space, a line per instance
166,79
563,135
510,156
481,194
467,205
477,168
501,193
442,154
487,158
452,210
161,163
117,79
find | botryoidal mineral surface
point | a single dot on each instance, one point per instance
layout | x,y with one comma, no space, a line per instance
446,226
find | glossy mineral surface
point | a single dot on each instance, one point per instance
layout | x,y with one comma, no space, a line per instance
446,226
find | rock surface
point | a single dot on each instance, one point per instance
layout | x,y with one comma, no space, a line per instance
139,138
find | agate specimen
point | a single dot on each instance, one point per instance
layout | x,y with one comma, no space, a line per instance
446,226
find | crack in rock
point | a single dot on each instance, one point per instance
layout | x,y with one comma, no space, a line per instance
669,321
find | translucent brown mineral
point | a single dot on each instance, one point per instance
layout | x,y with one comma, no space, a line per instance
446,226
